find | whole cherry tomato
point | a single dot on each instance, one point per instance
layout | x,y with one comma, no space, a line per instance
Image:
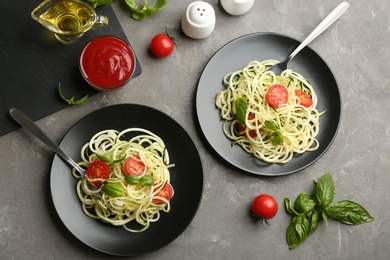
264,207
162,45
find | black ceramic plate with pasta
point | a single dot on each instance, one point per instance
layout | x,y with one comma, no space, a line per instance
186,178
236,55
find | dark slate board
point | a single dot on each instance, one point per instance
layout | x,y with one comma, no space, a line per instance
33,62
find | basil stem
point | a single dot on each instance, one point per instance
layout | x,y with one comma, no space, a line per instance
71,100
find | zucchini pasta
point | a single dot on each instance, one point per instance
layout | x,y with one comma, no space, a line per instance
127,180
270,116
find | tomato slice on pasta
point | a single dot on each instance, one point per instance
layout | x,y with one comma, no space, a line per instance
98,170
304,98
277,95
134,165
166,193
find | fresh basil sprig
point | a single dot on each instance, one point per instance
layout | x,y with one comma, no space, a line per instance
71,100
145,10
277,137
146,180
307,211
108,160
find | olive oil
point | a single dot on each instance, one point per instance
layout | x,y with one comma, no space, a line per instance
68,17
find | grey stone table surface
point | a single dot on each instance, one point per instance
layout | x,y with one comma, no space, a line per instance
356,48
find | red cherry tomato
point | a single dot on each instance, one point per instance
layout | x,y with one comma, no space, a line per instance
304,98
134,165
277,95
242,128
264,206
98,170
166,193
162,45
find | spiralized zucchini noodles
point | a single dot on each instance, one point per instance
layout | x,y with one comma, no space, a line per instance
136,189
273,133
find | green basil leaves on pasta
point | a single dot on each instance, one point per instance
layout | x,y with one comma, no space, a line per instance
146,180
112,190
241,107
308,210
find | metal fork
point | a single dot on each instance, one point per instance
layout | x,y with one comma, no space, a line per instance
27,123
330,19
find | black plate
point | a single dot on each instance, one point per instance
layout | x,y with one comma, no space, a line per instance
236,55
186,178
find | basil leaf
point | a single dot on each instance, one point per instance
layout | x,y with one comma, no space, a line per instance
314,221
304,203
147,180
349,212
277,140
103,158
241,107
302,226
112,190
325,191
290,207
270,125
132,179
293,238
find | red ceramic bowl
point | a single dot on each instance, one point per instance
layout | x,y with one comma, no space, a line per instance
107,63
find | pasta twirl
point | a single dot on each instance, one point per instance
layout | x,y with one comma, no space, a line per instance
298,125
138,203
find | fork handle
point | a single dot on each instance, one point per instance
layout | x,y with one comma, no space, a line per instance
26,122
329,20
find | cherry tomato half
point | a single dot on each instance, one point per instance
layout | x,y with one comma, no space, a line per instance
134,165
242,128
264,206
277,95
98,170
304,98
162,45
166,193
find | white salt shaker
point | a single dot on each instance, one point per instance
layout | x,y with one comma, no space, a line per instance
198,22
237,7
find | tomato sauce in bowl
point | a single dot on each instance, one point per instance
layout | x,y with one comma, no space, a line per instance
107,63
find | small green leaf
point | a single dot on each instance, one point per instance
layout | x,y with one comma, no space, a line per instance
277,140
314,221
293,238
302,225
132,179
290,207
103,158
241,107
325,191
112,190
304,203
349,212
147,180
270,125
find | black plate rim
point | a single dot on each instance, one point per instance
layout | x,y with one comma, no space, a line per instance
260,168
196,194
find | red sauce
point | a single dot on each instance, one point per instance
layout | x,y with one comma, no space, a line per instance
107,63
